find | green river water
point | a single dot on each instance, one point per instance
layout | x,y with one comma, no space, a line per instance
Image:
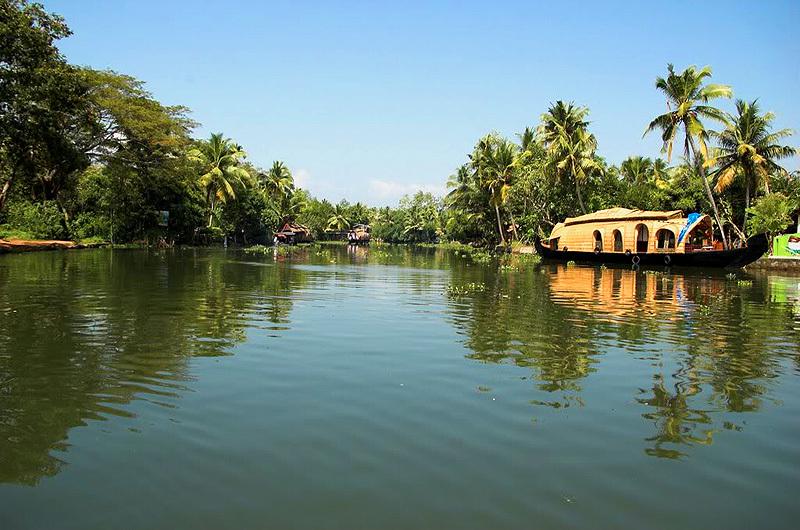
391,387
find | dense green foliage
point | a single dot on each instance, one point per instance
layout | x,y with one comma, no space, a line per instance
88,154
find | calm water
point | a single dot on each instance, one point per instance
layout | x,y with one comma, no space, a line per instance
392,388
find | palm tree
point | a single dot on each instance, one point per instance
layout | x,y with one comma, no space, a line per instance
747,149
288,209
569,145
221,171
463,188
687,96
339,219
526,138
495,161
637,169
278,181
661,172
467,198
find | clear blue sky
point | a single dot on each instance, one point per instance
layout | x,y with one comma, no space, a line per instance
368,100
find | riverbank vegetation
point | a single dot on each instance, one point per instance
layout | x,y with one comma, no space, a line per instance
92,155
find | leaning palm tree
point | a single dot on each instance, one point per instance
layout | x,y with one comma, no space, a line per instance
687,98
221,170
748,150
569,145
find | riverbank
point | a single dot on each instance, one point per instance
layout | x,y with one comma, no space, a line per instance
776,263
29,245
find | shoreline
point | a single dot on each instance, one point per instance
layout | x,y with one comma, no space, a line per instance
32,245
11,246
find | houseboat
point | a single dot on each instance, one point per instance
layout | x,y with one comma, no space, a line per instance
292,233
621,235
359,235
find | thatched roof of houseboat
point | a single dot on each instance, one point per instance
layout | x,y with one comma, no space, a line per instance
623,214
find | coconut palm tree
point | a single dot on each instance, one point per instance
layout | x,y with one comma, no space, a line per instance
221,170
495,161
278,181
687,97
467,199
569,145
526,138
288,209
637,169
661,172
339,219
747,149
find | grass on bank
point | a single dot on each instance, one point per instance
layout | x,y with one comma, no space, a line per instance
6,232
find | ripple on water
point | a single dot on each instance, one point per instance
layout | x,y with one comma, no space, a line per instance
411,390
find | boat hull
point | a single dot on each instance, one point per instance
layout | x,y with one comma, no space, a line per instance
725,259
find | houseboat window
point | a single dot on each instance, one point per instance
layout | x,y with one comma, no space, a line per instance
598,240
642,238
554,243
617,241
666,239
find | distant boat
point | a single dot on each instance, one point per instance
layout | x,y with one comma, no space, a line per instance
292,233
621,235
359,235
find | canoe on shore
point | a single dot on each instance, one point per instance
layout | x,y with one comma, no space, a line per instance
27,245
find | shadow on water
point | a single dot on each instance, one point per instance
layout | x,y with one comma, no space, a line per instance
710,343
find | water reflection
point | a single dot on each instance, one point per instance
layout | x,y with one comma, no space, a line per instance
83,334
712,344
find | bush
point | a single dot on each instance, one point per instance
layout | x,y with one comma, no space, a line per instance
771,215
90,225
41,220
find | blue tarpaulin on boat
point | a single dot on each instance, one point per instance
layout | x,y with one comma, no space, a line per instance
693,217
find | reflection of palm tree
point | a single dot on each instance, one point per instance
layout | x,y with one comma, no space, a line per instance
675,420
520,319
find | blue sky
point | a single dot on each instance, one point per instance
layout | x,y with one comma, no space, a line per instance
370,100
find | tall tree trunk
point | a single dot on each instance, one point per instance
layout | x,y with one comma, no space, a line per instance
746,205
4,193
210,199
699,164
766,184
580,198
499,224
514,225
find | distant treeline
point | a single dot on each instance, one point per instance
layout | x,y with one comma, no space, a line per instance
91,155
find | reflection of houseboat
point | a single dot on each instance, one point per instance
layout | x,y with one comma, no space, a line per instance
359,235
620,235
292,233
621,293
